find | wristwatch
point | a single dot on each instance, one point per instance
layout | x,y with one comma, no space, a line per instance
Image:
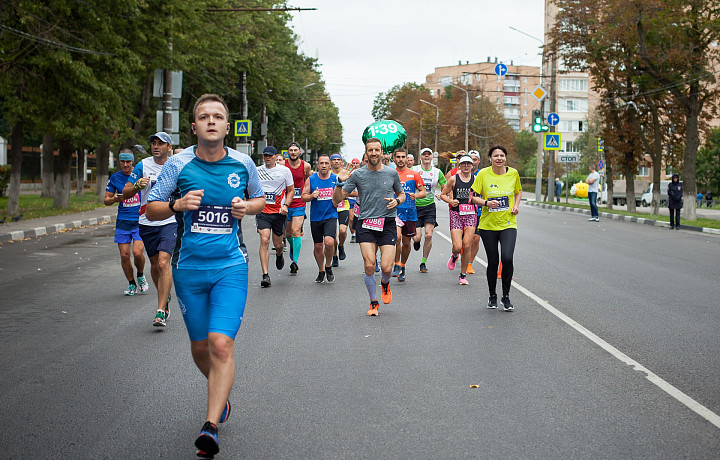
339,184
171,204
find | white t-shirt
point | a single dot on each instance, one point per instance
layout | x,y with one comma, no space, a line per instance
275,182
148,168
594,186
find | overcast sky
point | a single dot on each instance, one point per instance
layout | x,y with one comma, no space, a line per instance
366,47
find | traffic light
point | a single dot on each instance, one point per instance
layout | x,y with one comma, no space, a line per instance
537,122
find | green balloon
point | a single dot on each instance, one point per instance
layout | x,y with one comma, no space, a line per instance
391,134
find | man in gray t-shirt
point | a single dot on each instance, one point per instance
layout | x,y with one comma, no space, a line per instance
593,181
377,185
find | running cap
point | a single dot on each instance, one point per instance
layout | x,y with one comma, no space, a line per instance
163,136
355,160
269,150
426,150
335,156
465,159
410,155
474,154
126,156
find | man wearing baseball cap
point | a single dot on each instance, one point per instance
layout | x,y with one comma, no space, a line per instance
126,225
158,236
278,187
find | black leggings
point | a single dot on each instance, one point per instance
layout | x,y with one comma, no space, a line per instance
675,217
506,238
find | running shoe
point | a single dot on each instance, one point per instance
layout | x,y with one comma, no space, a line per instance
451,262
416,245
279,260
470,270
226,412
341,253
131,289
401,276
143,284
592,219
492,302
320,278
265,281
335,262
293,268
207,443
386,292
505,302
374,307
160,318
395,271
377,266
463,280
167,308
423,268
352,239
329,275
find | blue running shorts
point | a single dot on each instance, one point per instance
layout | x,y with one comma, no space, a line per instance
292,212
127,236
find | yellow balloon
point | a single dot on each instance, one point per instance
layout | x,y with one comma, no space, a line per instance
581,190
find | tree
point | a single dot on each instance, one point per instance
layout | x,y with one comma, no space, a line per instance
708,163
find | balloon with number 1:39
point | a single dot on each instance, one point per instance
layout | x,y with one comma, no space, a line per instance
391,134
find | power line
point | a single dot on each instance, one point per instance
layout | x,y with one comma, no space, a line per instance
46,41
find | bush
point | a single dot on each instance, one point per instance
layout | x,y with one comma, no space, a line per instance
4,178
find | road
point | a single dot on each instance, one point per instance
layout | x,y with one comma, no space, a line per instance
85,375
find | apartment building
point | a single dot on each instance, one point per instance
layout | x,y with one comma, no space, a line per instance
511,92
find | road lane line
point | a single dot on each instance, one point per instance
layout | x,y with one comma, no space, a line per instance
693,405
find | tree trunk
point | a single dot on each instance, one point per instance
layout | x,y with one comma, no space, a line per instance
62,185
48,166
144,102
692,142
656,155
102,155
80,172
609,183
630,182
13,204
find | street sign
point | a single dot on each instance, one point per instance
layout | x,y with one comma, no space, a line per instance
601,145
553,119
285,154
551,141
243,128
601,165
539,93
501,69
568,158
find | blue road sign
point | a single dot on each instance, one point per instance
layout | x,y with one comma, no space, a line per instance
551,141
553,119
601,165
501,69
242,128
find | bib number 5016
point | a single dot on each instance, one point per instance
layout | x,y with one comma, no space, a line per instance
213,217
212,220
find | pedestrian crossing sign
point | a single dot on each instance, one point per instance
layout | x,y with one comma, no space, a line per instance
551,141
242,128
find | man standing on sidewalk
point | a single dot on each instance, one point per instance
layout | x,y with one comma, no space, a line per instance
127,233
158,236
593,181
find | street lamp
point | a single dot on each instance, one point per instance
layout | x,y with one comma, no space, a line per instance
420,136
437,120
467,113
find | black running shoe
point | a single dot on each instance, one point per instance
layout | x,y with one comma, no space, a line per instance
401,275
505,302
416,245
265,281
293,268
320,278
207,443
329,275
352,239
423,268
335,262
341,252
279,260
492,302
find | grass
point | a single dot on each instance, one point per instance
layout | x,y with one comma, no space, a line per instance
34,207
700,222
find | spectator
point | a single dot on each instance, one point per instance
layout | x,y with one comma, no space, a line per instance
558,189
708,199
699,199
675,201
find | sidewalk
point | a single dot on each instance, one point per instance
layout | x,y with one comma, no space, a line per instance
11,231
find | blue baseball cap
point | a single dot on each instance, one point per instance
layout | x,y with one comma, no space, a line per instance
163,136
336,156
126,156
269,150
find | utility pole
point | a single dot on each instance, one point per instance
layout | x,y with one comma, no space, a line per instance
167,97
553,107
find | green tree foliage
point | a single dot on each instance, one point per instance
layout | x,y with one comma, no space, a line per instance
708,164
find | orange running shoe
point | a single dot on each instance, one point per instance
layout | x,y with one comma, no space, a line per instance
374,306
386,292
470,270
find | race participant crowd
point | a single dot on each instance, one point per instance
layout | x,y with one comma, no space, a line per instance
185,210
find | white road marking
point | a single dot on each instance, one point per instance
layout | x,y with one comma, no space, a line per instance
693,405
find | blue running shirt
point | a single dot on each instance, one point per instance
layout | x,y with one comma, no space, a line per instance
208,237
321,208
128,209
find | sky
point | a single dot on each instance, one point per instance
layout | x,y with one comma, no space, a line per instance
366,47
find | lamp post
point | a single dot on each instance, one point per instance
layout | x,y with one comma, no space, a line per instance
420,136
437,120
467,113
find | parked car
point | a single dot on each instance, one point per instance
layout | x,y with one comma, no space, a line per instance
647,194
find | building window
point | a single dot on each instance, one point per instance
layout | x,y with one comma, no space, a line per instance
444,81
570,146
512,100
432,92
573,105
573,84
498,89
526,90
572,126
465,79
524,79
524,113
525,99
527,124
644,171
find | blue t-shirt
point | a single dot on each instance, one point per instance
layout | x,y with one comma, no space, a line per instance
128,209
321,208
208,237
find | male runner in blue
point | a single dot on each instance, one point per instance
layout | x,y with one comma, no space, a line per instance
218,187
318,190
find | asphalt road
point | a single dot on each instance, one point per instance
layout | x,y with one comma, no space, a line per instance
85,375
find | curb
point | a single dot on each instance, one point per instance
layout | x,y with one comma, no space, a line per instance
622,217
38,231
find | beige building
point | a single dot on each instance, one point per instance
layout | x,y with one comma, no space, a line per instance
511,93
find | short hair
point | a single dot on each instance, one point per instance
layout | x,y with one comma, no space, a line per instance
373,139
323,155
497,147
126,150
400,149
210,98
294,144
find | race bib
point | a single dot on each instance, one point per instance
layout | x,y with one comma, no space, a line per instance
341,206
399,222
503,204
132,201
215,220
466,209
270,197
376,224
356,210
298,192
325,194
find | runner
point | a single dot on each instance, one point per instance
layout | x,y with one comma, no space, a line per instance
277,183
414,187
426,211
475,155
126,225
318,191
351,204
210,263
498,190
376,184
343,210
463,215
300,170
158,236
410,162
